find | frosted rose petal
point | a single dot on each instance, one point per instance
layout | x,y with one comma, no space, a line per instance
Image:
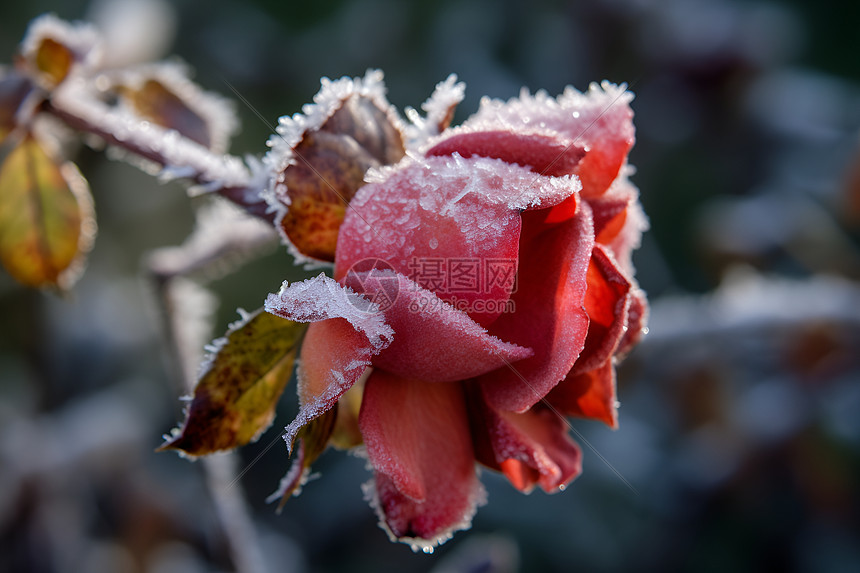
589,395
444,211
600,120
550,315
532,448
544,154
417,437
433,341
606,302
337,348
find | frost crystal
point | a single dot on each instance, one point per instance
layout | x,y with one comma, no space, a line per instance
439,108
217,112
77,98
328,100
82,39
321,298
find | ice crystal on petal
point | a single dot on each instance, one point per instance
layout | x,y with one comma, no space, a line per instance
321,298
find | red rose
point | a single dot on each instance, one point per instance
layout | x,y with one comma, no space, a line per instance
486,280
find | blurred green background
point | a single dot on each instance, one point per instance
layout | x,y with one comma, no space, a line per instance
740,431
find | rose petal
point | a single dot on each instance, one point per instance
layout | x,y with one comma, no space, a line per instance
550,316
637,320
334,355
444,221
545,154
600,120
532,448
619,221
433,341
589,394
418,441
606,302
337,348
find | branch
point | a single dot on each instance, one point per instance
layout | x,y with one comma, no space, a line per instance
177,156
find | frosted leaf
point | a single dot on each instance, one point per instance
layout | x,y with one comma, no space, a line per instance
78,41
439,109
319,158
327,101
137,85
321,298
224,238
77,98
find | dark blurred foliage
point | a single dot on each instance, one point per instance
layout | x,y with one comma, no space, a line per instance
739,439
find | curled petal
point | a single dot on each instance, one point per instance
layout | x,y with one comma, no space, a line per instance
433,341
347,331
418,441
532,448
545,154
600,120
589,395
550,315
637,321
606,302
619,221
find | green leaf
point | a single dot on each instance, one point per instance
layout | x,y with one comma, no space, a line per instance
46,217
234,400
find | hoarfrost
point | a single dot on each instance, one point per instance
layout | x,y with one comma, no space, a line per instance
439,108
217,112
321,298
327,101
82,39
76,97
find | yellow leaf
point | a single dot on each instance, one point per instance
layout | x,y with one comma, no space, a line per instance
54,60
46,217
234,401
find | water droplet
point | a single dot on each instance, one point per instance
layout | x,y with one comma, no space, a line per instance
575,114
434,243
562,487
645,330
428,550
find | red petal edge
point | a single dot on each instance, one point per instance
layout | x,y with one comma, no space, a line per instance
348,329
434,341
418,441
550,316
531,449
